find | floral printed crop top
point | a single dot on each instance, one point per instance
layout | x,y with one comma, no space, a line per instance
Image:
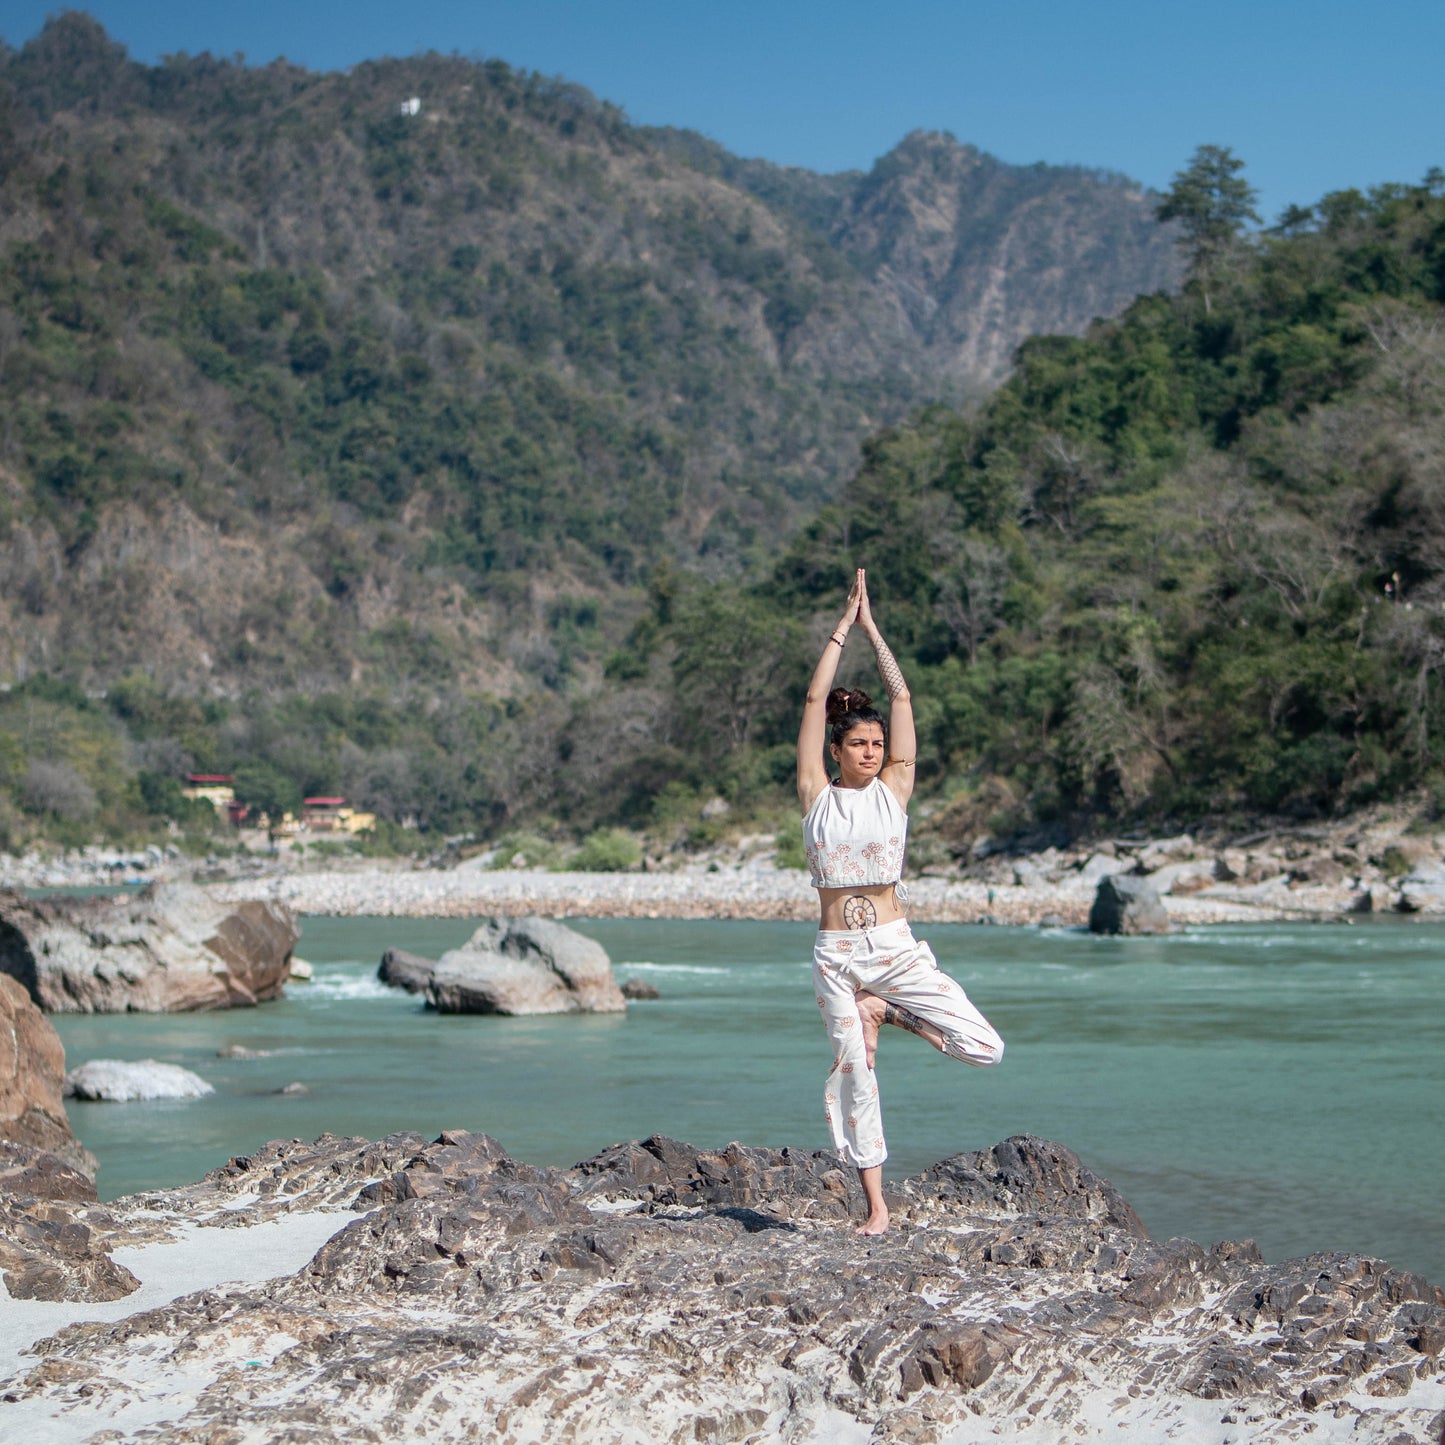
855,837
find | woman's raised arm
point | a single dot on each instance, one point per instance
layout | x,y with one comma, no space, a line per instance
812,775
897,770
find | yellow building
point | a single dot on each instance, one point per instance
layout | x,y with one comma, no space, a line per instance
215,789
332,815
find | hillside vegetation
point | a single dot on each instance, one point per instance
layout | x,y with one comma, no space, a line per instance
1188,567
349,382
492,465
348,418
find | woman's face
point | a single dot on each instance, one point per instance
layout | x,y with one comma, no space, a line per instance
860,755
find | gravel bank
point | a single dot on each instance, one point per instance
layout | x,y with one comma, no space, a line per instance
1373,861
745,893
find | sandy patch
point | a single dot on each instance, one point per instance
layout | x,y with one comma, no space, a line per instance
196,1259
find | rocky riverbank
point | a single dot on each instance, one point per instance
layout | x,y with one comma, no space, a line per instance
754,893
1374,862
1057,897
659,1292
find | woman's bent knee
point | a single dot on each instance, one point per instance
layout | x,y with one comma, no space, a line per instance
983,1051
987,1046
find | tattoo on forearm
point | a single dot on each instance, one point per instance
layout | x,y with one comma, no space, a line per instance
900,1017
859,912
888,670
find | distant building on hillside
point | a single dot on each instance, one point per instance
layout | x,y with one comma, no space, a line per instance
318,815
331,815
216,789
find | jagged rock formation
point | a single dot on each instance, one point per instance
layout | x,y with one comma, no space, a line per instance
525,966
663,1293
52,1232
964,254
55,1240
42,1174
170,949
970,251
32,1075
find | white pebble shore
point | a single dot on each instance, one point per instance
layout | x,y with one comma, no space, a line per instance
745,893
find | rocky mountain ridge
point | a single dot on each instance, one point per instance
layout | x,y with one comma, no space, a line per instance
970,254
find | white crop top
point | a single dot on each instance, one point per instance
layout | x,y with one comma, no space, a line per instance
855,837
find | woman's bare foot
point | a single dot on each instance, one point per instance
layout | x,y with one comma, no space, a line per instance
872,1181
871,1011
876,1223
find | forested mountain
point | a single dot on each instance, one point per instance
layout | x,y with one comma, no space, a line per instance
304,370
487,459
1190,566
348,417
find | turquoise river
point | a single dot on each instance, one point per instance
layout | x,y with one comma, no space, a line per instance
1280,1082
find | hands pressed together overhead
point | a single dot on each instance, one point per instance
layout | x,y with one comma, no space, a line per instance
856,610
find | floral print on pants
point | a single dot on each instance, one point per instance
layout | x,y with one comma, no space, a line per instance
889,962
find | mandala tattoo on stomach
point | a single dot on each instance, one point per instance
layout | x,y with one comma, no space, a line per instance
859,912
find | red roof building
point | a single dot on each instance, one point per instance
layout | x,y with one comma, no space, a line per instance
323,814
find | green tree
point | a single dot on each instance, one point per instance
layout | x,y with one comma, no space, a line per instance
266,788
1212,202
737,669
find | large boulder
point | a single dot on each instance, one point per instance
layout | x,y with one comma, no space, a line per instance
1319,870
119,1082
1100,865
169,949
525,966
1127,905
409,971
1182,878
1422,890
32,1072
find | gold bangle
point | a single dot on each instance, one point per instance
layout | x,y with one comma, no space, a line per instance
907,762
837,639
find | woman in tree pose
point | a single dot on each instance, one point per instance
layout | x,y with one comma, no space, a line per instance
868,969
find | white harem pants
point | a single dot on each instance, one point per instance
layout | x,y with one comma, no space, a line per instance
890,962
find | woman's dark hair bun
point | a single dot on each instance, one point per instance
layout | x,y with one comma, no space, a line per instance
842,701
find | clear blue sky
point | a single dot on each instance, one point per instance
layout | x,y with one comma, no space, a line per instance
1316,95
